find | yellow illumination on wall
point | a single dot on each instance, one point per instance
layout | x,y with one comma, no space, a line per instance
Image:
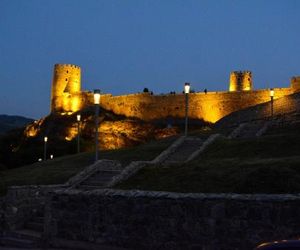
71,133
75,103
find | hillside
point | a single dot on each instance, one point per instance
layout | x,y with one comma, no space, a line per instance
22,147
9,122
266,164
60,169
245,164
269,164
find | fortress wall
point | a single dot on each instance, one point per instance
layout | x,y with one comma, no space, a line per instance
161,220
67,102
209,107
67,97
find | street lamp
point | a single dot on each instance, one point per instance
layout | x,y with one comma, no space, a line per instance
186,92
78,132
272,105
45,147
96,102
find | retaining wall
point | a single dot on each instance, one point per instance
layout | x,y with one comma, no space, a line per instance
21,203
159,220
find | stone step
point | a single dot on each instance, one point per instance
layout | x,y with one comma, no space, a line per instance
39,227
105,174
95,183
60,243
100,178
250,130
89,187
26,234
18,243
184,151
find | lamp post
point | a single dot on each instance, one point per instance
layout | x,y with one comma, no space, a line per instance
186,92
97,103
78,133
272,105
45,147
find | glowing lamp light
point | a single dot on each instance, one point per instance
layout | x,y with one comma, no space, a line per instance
97,96
187,87
45,139
78,118
271,92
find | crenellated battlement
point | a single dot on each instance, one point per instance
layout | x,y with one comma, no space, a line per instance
59,65
67,97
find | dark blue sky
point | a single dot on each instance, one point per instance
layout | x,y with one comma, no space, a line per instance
124,46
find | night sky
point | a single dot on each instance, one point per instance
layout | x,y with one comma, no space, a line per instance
126,45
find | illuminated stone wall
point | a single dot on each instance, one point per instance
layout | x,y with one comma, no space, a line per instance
67,98
209,107
295,83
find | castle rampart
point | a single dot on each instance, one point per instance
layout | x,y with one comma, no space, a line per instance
210,106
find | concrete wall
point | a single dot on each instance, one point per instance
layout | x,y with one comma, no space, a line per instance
157,220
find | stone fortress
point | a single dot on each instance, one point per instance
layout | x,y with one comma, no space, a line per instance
67,98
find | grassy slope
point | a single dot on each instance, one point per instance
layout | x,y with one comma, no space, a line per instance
269,164
59,170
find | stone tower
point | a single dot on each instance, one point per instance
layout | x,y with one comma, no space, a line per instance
240,81
295,83
66,87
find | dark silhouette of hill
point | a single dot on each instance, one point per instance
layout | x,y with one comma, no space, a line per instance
9,122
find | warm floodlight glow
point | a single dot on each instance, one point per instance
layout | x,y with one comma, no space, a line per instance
78,118
271,92
187,88
97,96
45,139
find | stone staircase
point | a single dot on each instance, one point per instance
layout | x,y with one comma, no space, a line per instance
28,237
97,176
183,151
250,129
98,180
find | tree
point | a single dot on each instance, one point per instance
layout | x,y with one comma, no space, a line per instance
146,90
